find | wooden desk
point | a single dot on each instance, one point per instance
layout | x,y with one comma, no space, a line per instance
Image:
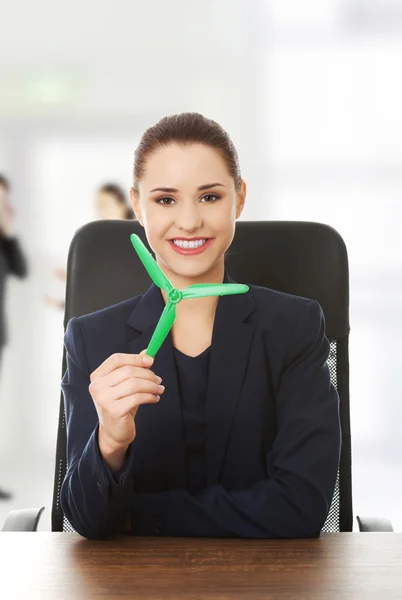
63,566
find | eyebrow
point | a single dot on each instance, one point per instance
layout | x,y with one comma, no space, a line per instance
201,188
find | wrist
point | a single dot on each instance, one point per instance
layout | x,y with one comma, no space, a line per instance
112,452
109,445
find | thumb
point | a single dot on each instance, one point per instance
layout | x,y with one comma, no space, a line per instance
147,360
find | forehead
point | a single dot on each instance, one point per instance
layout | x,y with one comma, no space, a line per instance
189,163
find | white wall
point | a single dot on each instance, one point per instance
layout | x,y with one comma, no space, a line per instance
311,95
335,157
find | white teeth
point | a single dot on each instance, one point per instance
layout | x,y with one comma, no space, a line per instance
183,244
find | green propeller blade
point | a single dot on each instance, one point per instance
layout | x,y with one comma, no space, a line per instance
174,296
162,329
155,272
200,290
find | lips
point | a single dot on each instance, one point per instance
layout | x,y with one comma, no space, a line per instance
196,249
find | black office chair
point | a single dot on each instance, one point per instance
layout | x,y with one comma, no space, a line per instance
305,259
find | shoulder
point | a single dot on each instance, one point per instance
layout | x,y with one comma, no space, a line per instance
111,315
105,328
289,325
273,306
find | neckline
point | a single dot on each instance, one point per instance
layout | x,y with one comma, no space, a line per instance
186,356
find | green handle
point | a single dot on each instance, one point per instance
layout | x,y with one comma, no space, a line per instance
200,290
154,271
162,329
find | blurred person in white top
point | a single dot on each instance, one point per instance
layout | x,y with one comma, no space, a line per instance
110,203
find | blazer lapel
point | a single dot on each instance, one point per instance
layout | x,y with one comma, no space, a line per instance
160,426
231,341
163,421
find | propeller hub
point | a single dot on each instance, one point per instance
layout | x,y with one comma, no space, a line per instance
175,296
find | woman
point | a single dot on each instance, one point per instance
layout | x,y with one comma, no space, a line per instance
111,203
233,429
12,262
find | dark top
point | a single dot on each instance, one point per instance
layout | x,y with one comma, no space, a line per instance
192,377
12,262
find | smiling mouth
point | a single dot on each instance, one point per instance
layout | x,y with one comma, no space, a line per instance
189,244
195,246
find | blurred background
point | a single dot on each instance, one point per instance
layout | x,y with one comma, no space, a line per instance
310,92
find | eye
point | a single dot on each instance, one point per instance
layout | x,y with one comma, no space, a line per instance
165,201
210,198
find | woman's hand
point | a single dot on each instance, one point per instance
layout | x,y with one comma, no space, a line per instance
118,387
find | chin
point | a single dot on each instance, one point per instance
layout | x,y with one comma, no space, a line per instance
202,273
187,271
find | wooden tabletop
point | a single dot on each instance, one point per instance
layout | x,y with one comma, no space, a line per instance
63,566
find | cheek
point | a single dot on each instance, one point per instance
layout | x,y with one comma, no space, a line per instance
155,223
224,219
153,219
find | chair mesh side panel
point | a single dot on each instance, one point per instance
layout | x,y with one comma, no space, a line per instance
59,520
60,471
332,521
67,525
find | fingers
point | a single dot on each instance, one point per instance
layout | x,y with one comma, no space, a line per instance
119,409
105,396
131,403
123,382
118,360
136,386
130,372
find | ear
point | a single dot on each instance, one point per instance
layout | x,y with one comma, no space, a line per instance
241,198
135,202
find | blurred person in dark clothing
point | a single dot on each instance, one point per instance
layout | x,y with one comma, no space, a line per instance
12,262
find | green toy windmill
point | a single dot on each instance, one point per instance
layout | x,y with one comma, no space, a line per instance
174,296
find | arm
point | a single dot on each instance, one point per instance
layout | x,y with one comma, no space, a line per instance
302,464
94,500
15,258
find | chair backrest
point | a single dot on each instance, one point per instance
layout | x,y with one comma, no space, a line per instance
301,258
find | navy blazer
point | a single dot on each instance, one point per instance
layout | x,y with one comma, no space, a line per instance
272,425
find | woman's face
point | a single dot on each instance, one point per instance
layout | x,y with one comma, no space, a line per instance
188,205
107,207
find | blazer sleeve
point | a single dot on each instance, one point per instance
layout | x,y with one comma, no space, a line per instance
16,262
95,501
294,500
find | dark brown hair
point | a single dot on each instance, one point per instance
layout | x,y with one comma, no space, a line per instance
186,128
4,182
117,192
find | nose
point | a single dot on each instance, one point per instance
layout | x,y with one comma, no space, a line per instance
189,217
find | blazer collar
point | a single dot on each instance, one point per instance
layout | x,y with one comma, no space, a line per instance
148,310
160,426
231,340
